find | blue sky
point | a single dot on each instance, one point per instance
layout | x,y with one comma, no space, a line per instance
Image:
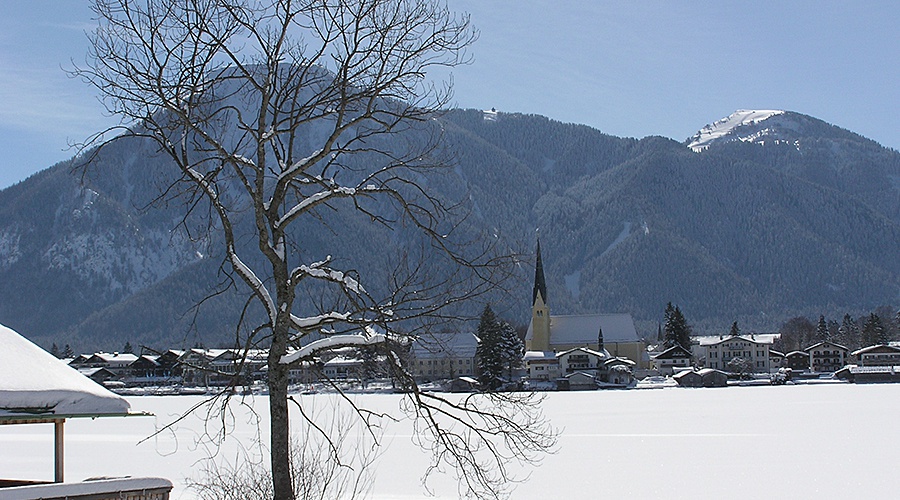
628,68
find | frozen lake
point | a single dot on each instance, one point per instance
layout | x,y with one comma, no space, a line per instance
804,441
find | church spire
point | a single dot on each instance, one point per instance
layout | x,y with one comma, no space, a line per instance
540,284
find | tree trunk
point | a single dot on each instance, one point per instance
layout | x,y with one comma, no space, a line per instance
280,432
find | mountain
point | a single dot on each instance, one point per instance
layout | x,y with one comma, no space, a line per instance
761,216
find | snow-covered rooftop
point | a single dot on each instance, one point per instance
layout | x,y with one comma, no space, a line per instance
702,139
758,338
33,382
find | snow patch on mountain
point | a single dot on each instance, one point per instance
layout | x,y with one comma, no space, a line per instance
727,127
9,248
573,283
626,231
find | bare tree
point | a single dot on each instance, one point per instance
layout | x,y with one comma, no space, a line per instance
273,112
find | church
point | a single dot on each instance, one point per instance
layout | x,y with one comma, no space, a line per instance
550,334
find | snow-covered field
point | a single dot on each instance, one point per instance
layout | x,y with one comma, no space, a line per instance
813,441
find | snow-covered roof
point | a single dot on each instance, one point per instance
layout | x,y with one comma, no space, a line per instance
584,329
546,356
676,351
714,131
33,382
880,348
826,344
592,352
443,345
115,358
756,338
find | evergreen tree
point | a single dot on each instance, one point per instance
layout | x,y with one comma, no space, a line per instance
128,349
54,350
511,349
489,351
849,333
822,329
369,369
677,330
68,352
873,331
833,328
735,331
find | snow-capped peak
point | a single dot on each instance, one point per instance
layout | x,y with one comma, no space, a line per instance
727,126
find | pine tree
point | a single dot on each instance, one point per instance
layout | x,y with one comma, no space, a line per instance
822,329
677,330
849,333
369,368
54,350
735,331
511,349
128,348
873,331
489,351
68,352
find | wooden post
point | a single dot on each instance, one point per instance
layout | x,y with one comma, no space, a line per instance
59,449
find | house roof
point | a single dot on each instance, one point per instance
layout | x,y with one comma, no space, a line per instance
545,356
676,351
34,384
880,348
826,343
584,329
113,358
593,352
446,344
756,338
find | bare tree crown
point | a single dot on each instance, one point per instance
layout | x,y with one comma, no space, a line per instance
277,111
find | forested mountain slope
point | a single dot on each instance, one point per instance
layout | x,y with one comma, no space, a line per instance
767,221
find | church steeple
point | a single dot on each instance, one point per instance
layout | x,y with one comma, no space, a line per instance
540,311
540,284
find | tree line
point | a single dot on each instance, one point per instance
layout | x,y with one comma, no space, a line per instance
880,326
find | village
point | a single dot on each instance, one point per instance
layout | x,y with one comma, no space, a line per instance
562,352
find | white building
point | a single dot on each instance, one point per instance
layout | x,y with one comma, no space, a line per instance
716,351
440,356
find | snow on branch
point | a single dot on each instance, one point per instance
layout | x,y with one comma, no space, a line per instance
312,201
312,322
319,270
333,342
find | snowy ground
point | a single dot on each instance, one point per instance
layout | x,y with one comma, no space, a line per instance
815,441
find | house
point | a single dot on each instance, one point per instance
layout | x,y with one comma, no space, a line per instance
827,357
688,378
869,374
445,355
577,381
118,363
878,355
342,367
797,360
542,365
706,377
617,371
558,333
672,359
776,359
711,377
752,348
581,359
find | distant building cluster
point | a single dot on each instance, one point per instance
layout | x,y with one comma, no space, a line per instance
562,352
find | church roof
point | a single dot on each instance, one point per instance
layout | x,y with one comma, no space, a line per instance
583,329
540,284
